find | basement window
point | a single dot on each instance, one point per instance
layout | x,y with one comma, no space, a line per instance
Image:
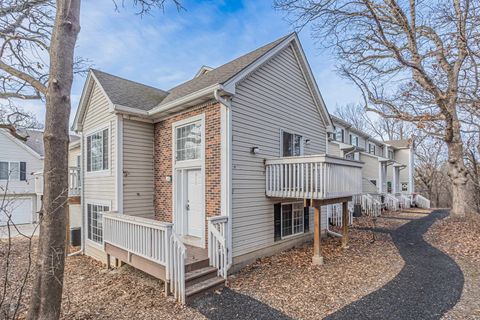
292,219
95,227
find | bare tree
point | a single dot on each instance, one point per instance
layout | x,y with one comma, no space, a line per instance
413,60
37,62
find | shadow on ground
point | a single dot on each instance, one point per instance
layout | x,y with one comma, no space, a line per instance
233,305
429,284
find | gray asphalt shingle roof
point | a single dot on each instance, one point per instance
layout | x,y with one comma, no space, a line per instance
35,139
129,93
139,96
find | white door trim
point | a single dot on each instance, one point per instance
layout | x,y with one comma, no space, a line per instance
178,169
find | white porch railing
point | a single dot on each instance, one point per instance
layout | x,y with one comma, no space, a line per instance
371,206
217,246
150,239
405,201
391,202
422,202
147,238
335,214
178,253
313,177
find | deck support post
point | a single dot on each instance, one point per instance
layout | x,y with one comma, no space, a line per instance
108,262
317,255
345,225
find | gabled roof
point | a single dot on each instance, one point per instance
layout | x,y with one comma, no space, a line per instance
129,93
219,75
147,101
34,140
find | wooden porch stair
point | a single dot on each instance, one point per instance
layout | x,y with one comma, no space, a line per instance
199,275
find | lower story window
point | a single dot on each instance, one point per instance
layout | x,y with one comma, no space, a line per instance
292,219
95,229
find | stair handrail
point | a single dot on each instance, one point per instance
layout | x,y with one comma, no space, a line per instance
422,202
176,267
217,244
391,202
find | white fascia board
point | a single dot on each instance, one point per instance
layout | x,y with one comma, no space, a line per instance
128,110
185,99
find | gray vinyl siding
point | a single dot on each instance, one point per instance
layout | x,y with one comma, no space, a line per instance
138,184
273,98
98,188
369,171
334,149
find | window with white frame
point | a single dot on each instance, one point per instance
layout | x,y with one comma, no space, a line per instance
97,151
404,186
371,148
390,154
292,144
353,140
9,170
292,219
188,142
95,228
339,134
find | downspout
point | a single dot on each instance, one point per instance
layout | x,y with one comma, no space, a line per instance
228,171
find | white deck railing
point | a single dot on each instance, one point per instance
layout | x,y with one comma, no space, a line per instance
74,182
422,202
335,214
391,202
146,238
371,206
217,245
313,177
150,239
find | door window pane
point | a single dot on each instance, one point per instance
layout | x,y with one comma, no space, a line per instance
291,144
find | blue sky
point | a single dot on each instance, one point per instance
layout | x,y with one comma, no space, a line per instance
165,49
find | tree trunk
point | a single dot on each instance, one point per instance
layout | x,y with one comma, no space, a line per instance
457,172
47,288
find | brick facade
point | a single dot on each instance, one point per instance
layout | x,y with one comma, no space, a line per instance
163,161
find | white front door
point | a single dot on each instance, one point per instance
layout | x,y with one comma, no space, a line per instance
193,203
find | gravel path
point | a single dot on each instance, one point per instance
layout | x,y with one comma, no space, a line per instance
428,286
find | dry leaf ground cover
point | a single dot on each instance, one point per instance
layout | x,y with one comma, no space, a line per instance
460,239
285,285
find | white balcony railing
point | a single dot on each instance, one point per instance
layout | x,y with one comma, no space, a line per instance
391,202
313,177
74,182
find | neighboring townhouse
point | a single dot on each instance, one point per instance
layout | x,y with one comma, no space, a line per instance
388,168
19,159
207,176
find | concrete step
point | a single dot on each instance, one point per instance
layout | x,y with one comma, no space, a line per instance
200,275
203,286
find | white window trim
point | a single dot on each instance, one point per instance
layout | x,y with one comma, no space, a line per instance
9,170
99,173
281,220
188,164
302,144
98,203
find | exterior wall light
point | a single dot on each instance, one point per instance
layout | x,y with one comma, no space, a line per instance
307,142
254,150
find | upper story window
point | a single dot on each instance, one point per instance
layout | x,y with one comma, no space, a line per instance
390,154
97,151
292,144
353,140
339,134
13,170
188,142
371,148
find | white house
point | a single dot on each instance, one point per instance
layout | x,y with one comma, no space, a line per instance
19,159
